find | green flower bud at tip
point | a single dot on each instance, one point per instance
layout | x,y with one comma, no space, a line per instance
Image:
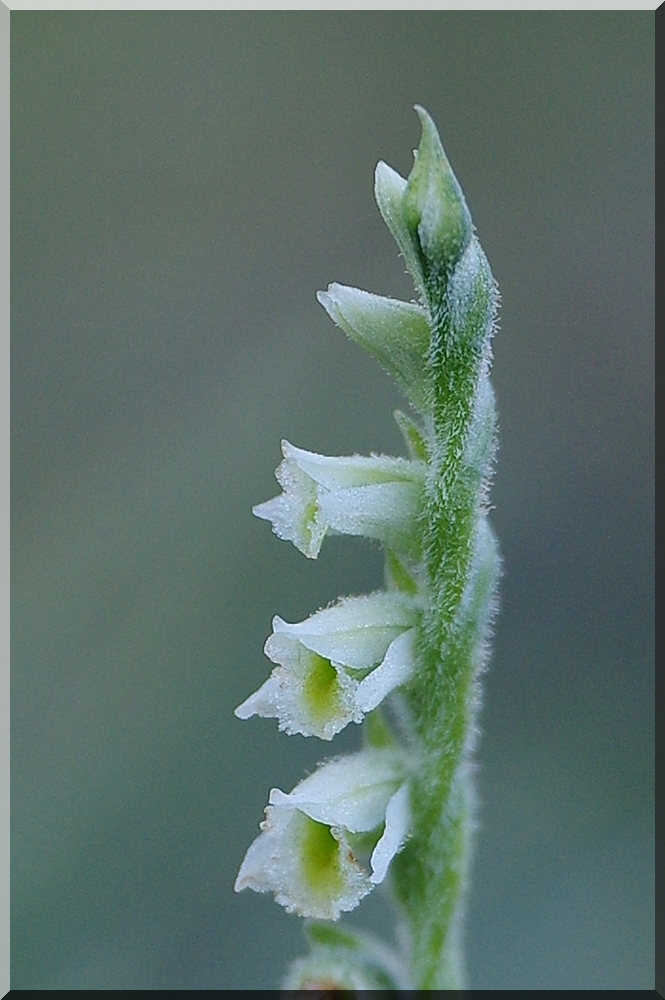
434,208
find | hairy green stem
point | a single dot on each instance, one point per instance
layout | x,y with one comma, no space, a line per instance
462,568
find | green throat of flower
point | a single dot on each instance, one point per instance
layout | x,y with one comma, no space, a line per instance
321,689
321,868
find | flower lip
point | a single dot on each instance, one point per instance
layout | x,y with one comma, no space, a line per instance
305,692
308,867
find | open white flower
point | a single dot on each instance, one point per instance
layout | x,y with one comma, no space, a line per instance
304,853
321,683
378,497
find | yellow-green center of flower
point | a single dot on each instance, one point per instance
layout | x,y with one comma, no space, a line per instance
321,688
321,860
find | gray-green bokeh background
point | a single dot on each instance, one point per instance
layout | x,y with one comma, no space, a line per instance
183,183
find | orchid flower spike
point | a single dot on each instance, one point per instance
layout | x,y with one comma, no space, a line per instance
402,808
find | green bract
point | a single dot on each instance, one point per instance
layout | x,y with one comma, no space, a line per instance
402,808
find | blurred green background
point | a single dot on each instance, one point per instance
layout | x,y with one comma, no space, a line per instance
183,183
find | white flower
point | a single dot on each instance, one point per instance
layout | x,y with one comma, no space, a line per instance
304,853
320,683
378,497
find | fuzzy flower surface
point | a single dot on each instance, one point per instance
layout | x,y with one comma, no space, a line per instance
337,665
378,497
305,855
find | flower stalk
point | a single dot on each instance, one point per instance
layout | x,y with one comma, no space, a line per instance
402,809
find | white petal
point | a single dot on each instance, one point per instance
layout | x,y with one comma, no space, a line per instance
356,613
352,792
388,512
262,702
335,472
355,632
397,668
256,865
398,821
379,497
